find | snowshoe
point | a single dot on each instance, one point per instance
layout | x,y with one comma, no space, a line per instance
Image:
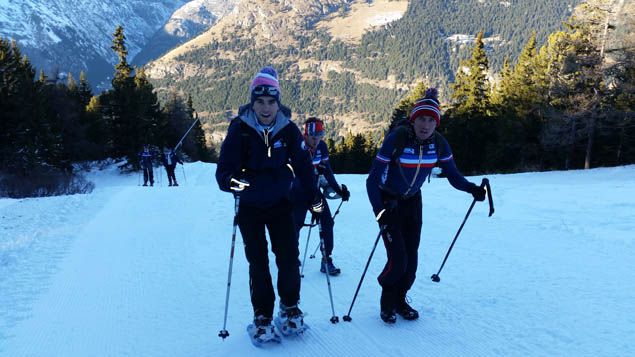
262,332
290,321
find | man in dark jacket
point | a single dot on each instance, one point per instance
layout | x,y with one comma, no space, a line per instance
257,161
313,143
146,159
403,163
169,160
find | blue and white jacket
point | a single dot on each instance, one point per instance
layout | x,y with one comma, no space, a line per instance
403,177
266,156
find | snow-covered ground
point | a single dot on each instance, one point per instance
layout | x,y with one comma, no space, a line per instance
139,271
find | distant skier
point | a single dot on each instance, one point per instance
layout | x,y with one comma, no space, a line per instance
146,159
404,161
169,160
313,134
256,160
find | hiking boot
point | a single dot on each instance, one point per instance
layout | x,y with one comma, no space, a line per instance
388,316
405,310
175,184
387,303
328,266
170,184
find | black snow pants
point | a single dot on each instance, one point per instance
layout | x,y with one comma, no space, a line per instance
278,220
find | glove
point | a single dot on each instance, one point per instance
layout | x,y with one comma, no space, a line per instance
316,208
477,192
344,193
387,216
238,185
320,168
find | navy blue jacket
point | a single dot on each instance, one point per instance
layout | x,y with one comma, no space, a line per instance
404,176
267,158
319,158
146,158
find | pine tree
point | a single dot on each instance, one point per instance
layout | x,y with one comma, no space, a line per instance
471,89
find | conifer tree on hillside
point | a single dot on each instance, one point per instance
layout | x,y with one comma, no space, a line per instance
471,89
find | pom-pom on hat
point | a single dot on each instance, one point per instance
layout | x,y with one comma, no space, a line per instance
427,106
265,83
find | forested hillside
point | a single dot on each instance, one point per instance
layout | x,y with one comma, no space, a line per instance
355,85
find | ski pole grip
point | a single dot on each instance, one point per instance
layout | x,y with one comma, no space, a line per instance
485,183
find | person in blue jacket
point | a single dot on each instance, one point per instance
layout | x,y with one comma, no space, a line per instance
169,160
404,161
313,143
258,160
146,159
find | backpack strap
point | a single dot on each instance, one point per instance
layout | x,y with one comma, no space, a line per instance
401,137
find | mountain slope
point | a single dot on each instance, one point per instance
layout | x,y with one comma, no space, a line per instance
332,69
66,36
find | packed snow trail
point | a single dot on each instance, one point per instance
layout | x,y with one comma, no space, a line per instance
130,270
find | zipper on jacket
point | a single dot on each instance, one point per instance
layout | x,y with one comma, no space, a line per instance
266,135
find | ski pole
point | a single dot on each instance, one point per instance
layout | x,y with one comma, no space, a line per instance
347,317
184,177
224,333
306,248
333,218
334,318
484,183
184,135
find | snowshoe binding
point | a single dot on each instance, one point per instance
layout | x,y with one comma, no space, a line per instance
262,332
290,321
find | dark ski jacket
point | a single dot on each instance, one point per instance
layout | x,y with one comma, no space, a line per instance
321,166
400,173
267,158
170,159
146,158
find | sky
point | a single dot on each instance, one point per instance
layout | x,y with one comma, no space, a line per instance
142,271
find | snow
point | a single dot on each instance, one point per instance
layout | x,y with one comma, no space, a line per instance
385,18
140,271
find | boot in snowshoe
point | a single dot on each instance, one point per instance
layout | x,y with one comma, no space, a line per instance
290,320
405,310
262,331
327,266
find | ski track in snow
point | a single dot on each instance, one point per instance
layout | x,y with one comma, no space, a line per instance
130,270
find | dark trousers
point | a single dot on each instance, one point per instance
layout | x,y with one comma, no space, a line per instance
299,215
401,240
171,177
278,220
148,174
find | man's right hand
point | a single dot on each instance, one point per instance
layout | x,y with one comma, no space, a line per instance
388,215
238,185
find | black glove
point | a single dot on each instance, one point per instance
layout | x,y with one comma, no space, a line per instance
316,208
238,185
388,215
477,192
320,168
344,193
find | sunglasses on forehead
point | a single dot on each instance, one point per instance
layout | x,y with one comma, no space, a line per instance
265,90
